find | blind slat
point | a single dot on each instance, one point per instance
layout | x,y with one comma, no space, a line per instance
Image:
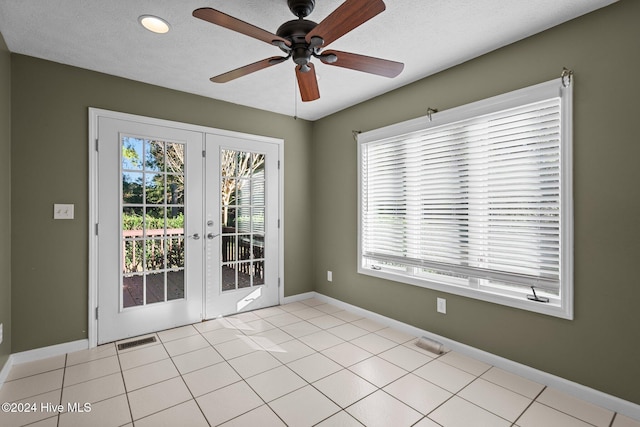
477,198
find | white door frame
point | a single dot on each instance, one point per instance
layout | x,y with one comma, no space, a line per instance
93,144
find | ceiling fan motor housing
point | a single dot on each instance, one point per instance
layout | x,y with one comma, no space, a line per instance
301,8
295,31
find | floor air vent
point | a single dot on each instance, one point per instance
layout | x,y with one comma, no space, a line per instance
136,343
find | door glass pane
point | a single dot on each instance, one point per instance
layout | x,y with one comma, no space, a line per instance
175,221
229,247
257,220
228,187
153,255
175,254
242,217
244,275
154,156
154,225
132,153
258,273
175,158
228,282
228,162
175,285
155,287
154,188
244,247
175,189
132,188
257,191
132,290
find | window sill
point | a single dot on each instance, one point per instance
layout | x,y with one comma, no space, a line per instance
562,309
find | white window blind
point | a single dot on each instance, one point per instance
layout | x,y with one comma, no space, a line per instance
472,202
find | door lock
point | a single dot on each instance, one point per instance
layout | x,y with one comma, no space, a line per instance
212,236
195,236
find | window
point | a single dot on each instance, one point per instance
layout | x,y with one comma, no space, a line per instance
474,201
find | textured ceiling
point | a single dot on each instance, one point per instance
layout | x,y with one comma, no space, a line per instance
426,35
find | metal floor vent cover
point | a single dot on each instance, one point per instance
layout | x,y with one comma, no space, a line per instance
136,343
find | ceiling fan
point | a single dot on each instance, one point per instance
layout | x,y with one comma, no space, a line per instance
303,40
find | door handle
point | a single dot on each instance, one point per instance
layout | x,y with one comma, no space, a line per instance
195,236
211,236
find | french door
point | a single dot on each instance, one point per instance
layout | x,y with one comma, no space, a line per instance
187,226
242,224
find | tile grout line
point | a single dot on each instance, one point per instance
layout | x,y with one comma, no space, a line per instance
243,379
295,373
162,343
342,367
498,385
613,419
231,366
487,410
64,372
307,382
124,385
568,414
530,404
282,364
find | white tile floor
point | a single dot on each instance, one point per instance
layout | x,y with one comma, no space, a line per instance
301,364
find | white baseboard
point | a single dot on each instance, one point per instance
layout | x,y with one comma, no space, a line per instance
50,351
41,353
298,297
4,372
580,391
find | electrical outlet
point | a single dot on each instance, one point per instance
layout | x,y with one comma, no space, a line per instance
329,276
442,305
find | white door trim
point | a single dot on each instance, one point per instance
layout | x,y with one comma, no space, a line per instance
93,145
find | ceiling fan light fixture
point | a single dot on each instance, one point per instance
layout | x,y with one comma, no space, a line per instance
154,24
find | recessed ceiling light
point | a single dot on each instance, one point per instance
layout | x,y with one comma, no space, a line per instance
154,24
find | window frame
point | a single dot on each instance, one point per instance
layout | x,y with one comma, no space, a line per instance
562,305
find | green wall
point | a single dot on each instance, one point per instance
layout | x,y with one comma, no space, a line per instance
5,196
600,348
49,165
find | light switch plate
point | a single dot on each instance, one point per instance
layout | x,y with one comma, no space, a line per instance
442,305
1,333
61,211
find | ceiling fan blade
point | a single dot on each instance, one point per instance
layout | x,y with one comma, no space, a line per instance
308,83
367,64
216,17
349,15
248,69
